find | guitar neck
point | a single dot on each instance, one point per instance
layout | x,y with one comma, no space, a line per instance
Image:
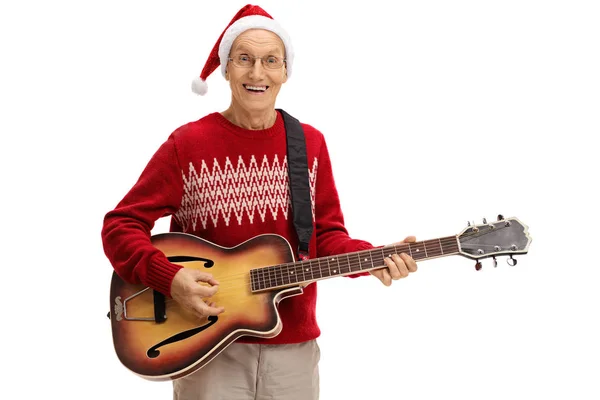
304,272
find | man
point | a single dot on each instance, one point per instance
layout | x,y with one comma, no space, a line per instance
224,178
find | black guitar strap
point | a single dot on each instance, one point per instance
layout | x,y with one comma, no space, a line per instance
299,182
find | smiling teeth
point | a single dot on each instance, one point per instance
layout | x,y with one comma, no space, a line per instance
263,88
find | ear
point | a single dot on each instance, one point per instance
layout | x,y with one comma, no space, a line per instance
284,74
227,75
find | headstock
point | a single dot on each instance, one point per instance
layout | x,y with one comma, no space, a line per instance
506,236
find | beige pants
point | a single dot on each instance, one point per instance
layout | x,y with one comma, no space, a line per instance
255,372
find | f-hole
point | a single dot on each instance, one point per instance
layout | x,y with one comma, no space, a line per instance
153,351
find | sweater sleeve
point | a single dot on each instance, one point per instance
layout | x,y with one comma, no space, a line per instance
127,229
332,235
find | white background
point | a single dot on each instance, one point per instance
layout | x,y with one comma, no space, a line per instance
435,112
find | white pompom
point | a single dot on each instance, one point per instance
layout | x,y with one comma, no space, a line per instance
199,86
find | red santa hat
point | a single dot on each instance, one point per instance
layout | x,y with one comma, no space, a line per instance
249,17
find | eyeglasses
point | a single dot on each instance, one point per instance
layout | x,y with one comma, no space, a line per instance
246,61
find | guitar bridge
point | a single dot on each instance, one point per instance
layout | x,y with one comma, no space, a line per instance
160,314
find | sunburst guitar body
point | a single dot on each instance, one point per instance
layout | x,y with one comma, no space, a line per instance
182,343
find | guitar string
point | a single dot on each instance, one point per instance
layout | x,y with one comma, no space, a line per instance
315,266
277,276
282,279
403,247
316,269
276,273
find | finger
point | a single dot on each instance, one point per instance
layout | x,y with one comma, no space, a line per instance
377,273
204,277
386,279
410,239
206,291
411,264
213,281
393,270
400,265
204,310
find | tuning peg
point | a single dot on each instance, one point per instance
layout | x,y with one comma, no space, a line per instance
500,217
468,223
478,266
495,262
484,221
511,261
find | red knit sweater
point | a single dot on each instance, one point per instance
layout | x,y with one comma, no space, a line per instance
227,184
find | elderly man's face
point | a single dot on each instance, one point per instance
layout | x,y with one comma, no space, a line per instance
255,87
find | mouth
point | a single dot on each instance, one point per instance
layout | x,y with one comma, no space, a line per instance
255,88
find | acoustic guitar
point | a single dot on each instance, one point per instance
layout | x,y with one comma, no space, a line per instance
157,340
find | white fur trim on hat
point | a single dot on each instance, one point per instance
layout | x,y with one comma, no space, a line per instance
254,22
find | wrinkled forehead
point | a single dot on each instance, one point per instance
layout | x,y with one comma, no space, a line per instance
258,40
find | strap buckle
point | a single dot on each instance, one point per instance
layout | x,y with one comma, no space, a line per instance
303,253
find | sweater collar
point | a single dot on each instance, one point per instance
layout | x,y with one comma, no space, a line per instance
277,128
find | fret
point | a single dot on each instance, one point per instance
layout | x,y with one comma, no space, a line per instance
329,269
336,263
268,277
452,246
252,286
278,276
431,248
352,258
425,248
378,257
365,257
332,268
336,271
259,279
360,260
261,275
299,269
448,245
319,270
381,251
272,277
417,250
291,273
306,268
285,273
347,266
337,259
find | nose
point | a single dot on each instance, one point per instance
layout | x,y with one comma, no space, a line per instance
258,70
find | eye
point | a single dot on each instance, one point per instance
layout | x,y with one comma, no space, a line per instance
272,60
243,58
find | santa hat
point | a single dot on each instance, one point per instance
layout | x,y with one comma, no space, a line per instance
249,17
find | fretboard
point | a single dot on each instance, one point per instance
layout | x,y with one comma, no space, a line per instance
302,272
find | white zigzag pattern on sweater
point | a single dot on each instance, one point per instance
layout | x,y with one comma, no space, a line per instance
223,192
